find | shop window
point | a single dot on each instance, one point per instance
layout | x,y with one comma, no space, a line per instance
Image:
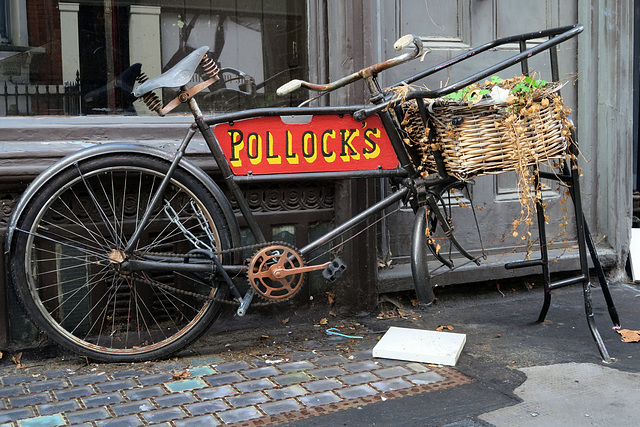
4,29
85,57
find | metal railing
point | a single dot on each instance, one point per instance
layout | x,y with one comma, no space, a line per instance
29,99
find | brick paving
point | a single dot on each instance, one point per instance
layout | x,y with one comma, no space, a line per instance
245,392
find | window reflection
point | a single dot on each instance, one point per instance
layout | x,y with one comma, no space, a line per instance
4,30
86,57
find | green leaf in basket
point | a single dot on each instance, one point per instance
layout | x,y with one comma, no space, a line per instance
535,83
456,96
496,79
528,85
521,87
470,93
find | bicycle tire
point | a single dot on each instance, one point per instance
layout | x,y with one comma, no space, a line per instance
62,266
421,239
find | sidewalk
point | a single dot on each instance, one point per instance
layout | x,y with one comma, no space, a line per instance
279,366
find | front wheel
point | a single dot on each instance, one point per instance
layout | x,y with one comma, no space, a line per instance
68,256
419,261
424,240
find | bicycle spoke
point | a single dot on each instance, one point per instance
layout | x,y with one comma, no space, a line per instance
102,315
88,251
87,213
87,295
139,303
103,216
69,293
161,234
73,219
109,198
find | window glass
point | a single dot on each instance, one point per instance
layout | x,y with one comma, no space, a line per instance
4,33
85,58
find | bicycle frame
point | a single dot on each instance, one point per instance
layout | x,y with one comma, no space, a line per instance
403,174
405,171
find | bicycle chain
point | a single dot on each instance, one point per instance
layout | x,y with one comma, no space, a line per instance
221,252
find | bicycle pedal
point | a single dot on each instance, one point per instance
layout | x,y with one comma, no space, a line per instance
334,270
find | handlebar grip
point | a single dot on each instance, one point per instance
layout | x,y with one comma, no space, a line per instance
406,41
289,87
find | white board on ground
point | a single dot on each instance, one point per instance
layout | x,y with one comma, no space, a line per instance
419,345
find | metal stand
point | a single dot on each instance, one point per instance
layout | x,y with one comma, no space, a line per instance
570,177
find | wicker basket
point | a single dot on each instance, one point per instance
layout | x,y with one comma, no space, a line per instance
487,138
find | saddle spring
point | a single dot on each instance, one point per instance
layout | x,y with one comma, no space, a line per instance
151,100
209,67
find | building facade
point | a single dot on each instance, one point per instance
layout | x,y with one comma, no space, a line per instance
67,70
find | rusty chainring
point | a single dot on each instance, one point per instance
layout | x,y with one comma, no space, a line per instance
274,272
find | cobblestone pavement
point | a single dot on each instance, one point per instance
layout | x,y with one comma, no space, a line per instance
253,385
279,366
244,393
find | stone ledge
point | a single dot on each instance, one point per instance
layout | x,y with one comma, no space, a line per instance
92,128
399,278
22,161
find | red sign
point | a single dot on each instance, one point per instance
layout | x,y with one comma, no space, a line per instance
295,144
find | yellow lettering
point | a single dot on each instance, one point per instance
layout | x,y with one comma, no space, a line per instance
373,149
254,148
347,145
292,157
309,151
237,144
329,156
272,159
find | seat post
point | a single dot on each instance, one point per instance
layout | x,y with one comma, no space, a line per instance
194,108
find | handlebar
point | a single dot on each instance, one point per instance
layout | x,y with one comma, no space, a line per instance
557,36
402,43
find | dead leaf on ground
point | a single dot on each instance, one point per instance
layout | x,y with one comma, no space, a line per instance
285,321
443,327
332,314
16,359
385,315
323,321
629,335
181,375
331,297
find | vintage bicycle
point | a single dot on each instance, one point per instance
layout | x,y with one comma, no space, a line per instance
122,252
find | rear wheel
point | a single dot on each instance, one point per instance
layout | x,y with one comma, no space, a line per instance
69,267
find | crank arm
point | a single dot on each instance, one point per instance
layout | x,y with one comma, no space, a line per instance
280,272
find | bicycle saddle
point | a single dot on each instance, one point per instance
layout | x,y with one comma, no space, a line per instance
177,76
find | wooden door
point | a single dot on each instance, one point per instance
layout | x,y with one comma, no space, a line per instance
449,28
